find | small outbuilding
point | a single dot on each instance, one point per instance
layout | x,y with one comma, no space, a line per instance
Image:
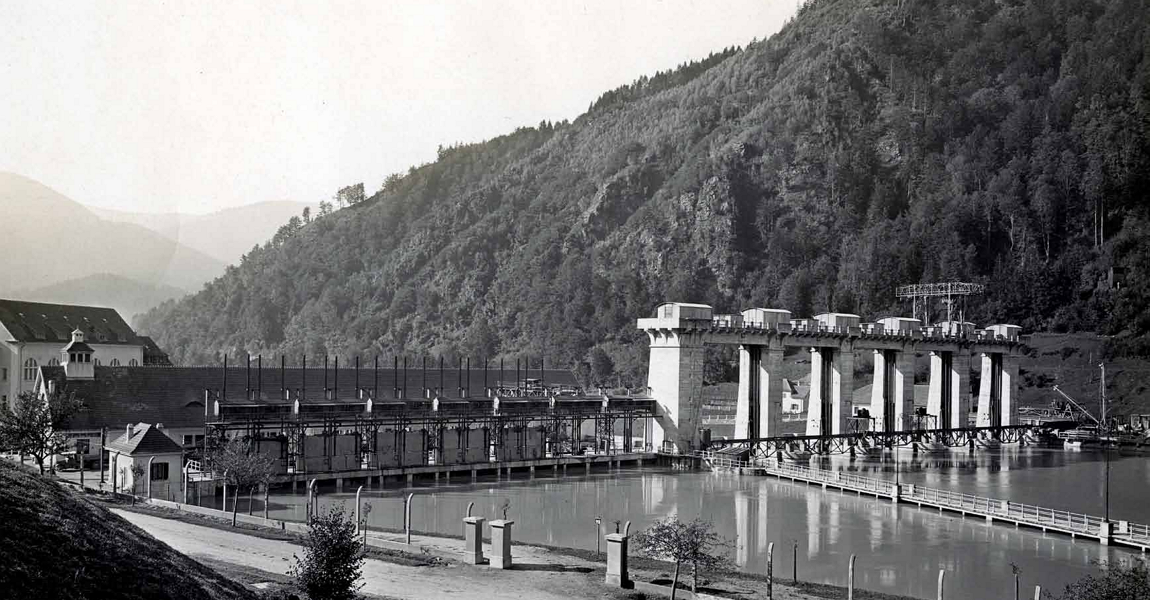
158,457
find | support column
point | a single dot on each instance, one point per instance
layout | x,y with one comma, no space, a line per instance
843,372
675,378
770,391
878,392
746,406
949,400
1008,397
960,389
989,390
473,540
818,391
904,390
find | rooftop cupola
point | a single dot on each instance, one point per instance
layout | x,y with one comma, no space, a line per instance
76,358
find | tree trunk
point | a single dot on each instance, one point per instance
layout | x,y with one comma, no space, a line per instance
251,492
40,463
235,503
267,489
694,578
675,581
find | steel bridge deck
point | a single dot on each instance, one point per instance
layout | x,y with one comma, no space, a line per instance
856,441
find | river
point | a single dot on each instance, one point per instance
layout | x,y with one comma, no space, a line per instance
900,548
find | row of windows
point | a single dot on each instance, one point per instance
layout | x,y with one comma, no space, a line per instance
31,364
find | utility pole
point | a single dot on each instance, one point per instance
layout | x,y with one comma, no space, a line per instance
1106,448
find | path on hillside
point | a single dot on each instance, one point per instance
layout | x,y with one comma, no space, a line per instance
381,578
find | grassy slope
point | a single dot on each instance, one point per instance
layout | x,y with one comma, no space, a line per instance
58,544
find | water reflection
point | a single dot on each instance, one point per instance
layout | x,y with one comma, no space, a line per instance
899,548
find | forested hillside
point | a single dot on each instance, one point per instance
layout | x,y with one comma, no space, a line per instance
869,143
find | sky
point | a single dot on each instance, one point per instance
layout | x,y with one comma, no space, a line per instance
198,106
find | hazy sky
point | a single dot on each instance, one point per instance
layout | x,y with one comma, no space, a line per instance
195,106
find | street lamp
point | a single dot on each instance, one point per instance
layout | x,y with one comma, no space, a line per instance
598,531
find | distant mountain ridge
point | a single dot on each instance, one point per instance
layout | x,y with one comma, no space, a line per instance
224,234
51,238
128,296
868,144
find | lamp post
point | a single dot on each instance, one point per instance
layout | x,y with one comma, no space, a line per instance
598,531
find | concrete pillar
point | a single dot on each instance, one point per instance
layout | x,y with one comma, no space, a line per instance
1105,532
894,387
339,485
832,384
617,574
1010,383
501,543
770,391
815,402
473,540
949,388
996,390
746,419
675,378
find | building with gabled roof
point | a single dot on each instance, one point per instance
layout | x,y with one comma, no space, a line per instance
32,334
160,461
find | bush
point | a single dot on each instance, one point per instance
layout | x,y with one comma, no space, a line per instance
1115,582
333,558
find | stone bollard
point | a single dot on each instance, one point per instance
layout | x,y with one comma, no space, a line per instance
473,539
941,578
617,574
501,543
1037,592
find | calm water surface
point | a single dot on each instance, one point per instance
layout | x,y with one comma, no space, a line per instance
900,549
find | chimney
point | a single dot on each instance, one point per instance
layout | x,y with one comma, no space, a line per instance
128,432
51,387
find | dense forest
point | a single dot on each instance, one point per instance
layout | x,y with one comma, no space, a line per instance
869,143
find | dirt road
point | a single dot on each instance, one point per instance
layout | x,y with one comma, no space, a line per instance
544,581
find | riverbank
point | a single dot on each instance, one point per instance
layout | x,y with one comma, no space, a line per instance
541,571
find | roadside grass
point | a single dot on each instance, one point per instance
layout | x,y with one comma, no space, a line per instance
399,557
60,544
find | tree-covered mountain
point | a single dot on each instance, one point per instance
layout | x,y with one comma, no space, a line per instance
869,143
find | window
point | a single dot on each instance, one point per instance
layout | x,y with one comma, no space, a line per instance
4,402
133,363
55,362
159,471
97,362
115,362
196,440
4,374
30,369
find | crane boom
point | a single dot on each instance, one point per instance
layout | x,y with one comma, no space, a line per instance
1077,405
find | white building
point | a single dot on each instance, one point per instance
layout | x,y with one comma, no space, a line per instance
32,334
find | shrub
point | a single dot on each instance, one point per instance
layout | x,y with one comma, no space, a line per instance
333,558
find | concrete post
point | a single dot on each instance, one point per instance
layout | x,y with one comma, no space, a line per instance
501,543
941,578
851,579
1037,592
225,504
407,517
358,523
473,539
770,571
1105,532
149,479
310,499
617,574
185,480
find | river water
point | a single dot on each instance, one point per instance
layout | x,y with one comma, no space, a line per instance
900,548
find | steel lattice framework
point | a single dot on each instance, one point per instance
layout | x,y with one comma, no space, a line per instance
921,293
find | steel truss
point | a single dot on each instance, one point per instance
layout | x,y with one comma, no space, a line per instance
866,441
